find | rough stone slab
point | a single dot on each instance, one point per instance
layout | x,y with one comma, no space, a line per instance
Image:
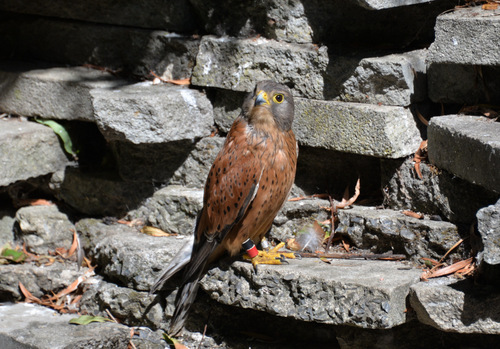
369,294
98,193
52,93
385,4
386,230
468,147
464,84
38,280
397,79
277,19
173,209
455,42
438,193
227,107
130,306
30,326
381,131
173,15
7,222
194,171
148,114
123,48
27,150
44,228
457,306
126,256
488,226
237,64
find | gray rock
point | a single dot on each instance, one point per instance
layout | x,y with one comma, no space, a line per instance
397,79
7,221
237,64
28,150
44,228
194,171
148,114
456,306
385,4
122,48
173,209
328,22
277,19
381,131
478,84
227,107
369,294
150,163
126,256
174,15
99,194
455,44
38,280
488,225
386,230
51,93
32,326
437,193
133,308
468,147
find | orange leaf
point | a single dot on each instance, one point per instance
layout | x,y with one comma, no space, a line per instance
27,294
490,6
413,214
346,245
449,269
74,245
186,81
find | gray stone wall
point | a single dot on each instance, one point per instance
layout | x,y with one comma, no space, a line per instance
364,73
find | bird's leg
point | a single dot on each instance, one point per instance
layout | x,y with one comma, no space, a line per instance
273,256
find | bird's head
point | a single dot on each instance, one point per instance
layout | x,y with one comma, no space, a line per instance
269,105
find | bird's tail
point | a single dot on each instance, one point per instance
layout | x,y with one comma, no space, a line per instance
185,298
177,263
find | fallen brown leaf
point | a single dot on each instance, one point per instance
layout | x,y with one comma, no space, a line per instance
413,214
446,270
27,294
148,230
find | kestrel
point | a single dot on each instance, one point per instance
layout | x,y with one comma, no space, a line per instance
247,185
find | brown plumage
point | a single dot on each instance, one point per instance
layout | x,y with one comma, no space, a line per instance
247,185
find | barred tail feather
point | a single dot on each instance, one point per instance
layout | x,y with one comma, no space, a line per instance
177,263
185,298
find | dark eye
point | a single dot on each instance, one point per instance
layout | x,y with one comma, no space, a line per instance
278,98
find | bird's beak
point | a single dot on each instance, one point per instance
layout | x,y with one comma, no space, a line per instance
261,98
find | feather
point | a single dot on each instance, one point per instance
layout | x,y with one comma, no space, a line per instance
311,238
180,260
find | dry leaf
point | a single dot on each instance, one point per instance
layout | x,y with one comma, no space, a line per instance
27,294
447,270
490,6
413,214
155,231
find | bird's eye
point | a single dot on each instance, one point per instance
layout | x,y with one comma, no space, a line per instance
278,98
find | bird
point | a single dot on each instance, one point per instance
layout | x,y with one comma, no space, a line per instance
247,185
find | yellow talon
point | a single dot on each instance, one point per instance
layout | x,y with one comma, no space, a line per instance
273,256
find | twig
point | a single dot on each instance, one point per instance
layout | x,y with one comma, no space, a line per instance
393,257
451,249
111,316
203,336
333,210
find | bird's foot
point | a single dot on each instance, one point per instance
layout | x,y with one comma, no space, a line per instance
273,256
